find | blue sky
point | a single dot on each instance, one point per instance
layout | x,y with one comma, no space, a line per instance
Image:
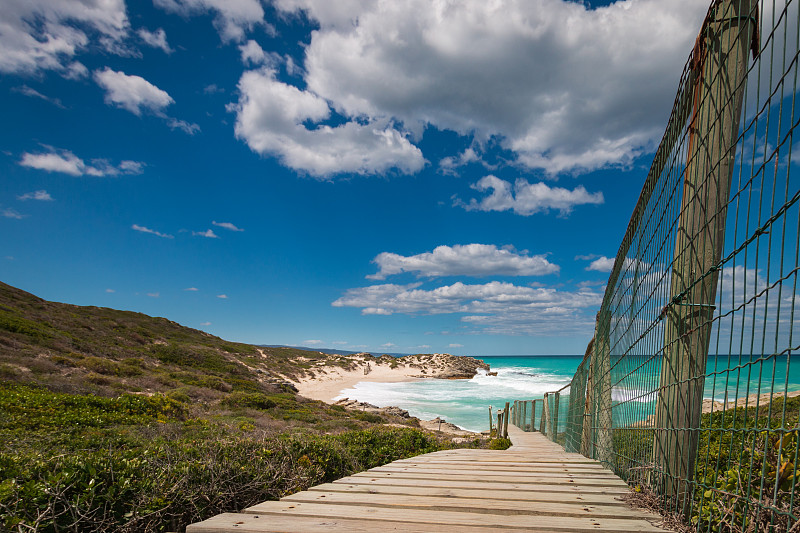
403,176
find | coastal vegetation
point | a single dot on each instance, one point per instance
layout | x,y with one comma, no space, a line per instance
112,420
745,468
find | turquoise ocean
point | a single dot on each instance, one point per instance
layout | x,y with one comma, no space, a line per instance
466,402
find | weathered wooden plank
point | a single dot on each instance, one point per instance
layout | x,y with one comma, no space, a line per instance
531,495
504,478
470,505
452,518
482,485
464,461
270,523
483,468
540,457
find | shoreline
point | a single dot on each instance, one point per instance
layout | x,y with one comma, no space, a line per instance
329,383
326,383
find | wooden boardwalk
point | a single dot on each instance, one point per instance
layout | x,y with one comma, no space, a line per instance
533,486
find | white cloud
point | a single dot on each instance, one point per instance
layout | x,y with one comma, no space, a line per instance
153,294
11,213
312,342
189,128
492,308
207,233
151,231
222,296
252,54
448,165
602,264
564,86
455,345
33,93
42,196
226,225
233,18
132,93
205,323
528,198
213,89
192,289
37,35
465,260
110,291
156,39
66,162
273,119
388,345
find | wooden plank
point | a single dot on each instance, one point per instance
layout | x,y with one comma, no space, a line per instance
543,456
482,485
489,471
470,505
452,518
531,495
520,478
270,523
475,467
531,467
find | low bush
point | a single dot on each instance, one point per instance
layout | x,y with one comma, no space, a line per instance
138,464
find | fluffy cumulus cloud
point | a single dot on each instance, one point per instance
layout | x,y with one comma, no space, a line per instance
494,307
526,198
209,234
602,264
252,54
37,35
156,39
66,162
564,86
465,260
132,93
232,18
278,119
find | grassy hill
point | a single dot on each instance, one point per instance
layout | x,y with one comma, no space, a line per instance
114,420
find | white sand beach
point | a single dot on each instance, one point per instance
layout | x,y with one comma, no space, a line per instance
329,382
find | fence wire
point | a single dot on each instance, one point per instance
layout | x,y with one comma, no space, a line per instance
689,389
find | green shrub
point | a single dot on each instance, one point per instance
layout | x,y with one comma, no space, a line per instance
252,400
100,476
499,444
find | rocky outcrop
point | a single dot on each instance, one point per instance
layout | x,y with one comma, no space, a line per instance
444,365
355,405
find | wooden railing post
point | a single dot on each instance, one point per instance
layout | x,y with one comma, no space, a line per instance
524,416
719,63
533,415
505,422
587,444
556,400
499,433
545,427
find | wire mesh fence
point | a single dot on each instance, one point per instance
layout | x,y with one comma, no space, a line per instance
689,389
